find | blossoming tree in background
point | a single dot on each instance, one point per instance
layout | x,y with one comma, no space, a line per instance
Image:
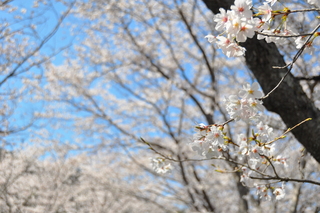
143,69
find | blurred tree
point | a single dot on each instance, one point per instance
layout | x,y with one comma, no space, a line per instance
143,69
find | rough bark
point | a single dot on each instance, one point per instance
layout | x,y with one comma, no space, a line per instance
289,100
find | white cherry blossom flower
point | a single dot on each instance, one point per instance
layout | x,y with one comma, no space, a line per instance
221,18
255,163
211,38
250,91
234,50
229,47
260,25
309,48
266,11
213,153
314,2
244,146
223,43
233,27
208,141
233,106
245,108
270,39
268,150
255,105
279,193
281,160
284,32
215,136
200,143
272,2
245,30
248,107
262,192
242,8
245,177
265,132
159,165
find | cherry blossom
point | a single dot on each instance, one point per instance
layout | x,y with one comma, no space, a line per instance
221,18
272,2
262,191
244,146
281,160
211,38
266,11
265,132
246,30
200,144
279,193
234,50
268,39
242,8
208,141
229,47
315,2
239,24
250,91
246,106
215,136
309,46
245,177
159,165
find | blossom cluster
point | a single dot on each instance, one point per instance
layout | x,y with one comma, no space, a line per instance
160,166
262,191
209,141
246,105
241,23
257,152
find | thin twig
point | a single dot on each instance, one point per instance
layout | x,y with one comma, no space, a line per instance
287,180
287,131
290,65
273,168
304,10
228,121
283,36
170,158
